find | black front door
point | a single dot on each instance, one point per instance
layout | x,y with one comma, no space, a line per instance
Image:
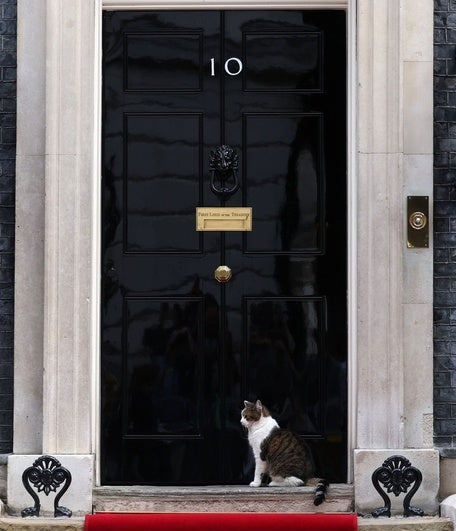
180,350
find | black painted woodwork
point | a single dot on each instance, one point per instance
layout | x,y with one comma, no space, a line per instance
180,351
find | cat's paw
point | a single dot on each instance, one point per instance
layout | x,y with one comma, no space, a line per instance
255,483
292,481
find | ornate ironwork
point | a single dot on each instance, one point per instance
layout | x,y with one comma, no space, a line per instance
397,475
223,164
46,475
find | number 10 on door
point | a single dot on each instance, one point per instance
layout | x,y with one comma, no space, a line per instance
233,66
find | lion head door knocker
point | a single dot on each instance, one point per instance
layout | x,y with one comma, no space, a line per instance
223,164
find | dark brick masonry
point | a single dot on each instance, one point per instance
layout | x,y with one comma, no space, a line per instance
7,185
445,225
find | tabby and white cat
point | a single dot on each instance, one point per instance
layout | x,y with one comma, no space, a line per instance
281,458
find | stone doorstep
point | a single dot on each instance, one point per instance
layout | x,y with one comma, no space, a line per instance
365,524
41,524
220,499
426,523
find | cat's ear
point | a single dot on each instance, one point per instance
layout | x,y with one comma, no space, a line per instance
259,405
247,403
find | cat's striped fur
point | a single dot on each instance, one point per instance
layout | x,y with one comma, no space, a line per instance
281,458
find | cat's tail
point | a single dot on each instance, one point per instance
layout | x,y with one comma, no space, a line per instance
320,491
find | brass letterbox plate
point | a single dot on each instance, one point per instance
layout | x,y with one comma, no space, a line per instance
224,218
417,221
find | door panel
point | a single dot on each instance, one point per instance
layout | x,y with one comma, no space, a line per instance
299,67
163,397
282,154
169,146
163,62
180,351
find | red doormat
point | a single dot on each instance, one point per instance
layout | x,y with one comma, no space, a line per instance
220,522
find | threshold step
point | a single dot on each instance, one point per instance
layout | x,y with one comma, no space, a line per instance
231,499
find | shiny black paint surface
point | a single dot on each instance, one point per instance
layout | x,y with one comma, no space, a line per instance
180,352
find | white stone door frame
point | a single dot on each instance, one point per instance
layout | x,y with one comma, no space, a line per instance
58,220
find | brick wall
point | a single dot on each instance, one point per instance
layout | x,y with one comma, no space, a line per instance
7,183
445,224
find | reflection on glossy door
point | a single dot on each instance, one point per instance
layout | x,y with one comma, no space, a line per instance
181,350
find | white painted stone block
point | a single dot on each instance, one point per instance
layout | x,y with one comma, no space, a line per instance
418,108
78,497
418,366
418,174
448,508
367,498
417,30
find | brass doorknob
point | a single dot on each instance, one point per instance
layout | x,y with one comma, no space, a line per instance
222,273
